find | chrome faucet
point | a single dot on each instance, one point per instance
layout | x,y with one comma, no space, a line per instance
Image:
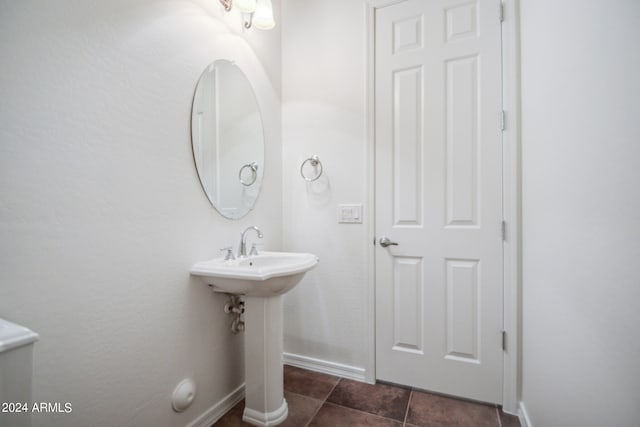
242,251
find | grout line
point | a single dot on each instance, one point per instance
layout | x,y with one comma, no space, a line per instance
314,414
304,396
355,409
333,388
363,412
323,401
406,412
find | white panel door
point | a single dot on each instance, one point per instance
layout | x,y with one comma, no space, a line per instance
438,195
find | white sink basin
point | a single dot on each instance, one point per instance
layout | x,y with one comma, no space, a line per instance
264,275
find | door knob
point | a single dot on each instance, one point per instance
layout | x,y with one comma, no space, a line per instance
385,241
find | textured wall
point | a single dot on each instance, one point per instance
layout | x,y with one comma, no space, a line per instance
101,211
580,199
324,113
581,227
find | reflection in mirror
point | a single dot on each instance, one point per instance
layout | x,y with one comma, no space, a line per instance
227,139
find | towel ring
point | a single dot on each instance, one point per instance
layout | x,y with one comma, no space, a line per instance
314,161
254,174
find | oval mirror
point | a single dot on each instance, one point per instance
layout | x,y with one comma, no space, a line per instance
227,139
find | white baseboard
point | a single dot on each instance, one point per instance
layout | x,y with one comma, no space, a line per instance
524,416
325,366
216,412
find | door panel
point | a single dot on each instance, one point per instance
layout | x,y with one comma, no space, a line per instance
439,196
461,139
407,299
407,191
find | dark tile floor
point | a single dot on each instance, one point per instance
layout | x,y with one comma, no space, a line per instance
319,400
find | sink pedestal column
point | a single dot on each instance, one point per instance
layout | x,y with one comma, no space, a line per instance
264,394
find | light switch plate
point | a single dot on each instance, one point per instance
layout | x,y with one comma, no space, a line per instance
350,214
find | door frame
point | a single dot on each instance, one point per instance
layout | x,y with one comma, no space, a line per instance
511,188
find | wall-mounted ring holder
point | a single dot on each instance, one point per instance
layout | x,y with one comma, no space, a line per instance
315,162
254,174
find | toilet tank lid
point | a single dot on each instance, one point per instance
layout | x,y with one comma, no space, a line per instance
13,335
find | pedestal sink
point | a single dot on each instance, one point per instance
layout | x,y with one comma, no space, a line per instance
261,280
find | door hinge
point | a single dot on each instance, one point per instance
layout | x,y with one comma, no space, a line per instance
501,12
502,120
504,340
504,230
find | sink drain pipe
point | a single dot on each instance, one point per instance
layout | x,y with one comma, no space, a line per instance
235,307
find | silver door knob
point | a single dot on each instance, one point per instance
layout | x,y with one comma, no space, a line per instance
385,241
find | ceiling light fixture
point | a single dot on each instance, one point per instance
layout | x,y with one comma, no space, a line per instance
245,6
263,16
260,12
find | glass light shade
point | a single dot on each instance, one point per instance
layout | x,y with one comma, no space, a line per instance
263,16
245,6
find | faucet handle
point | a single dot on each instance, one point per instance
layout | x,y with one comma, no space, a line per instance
229,253
254,250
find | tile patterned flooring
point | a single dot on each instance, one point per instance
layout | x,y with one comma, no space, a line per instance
319,400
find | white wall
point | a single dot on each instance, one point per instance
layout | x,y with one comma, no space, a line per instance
101,211
581,229
581,204
324,113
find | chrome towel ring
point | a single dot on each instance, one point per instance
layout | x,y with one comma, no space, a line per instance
254,174
315,162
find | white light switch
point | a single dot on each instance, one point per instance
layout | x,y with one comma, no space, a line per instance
350,214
